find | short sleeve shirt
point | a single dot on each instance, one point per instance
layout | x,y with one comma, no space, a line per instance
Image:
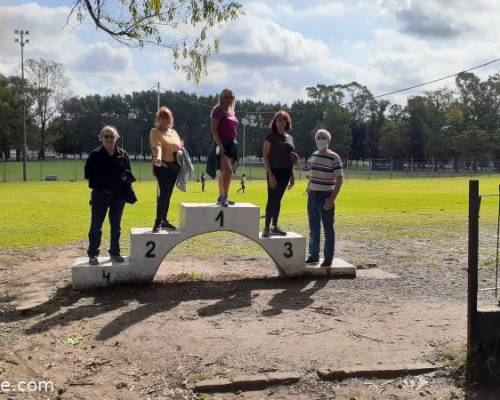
228,123
281,147
325,168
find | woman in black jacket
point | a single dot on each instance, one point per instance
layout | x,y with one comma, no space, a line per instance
109,174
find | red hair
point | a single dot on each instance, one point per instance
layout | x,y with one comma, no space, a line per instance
283,114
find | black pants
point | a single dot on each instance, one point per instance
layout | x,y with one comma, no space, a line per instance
166,177
275,195
100,203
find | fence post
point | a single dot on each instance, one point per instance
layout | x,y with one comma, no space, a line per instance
75,172
41,170
472,284
347,167
391,167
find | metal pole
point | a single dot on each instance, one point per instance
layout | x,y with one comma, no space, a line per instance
498,239
472,286
244,142
22,43
158,96
25,147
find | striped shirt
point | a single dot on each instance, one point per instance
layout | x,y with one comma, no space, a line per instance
324,171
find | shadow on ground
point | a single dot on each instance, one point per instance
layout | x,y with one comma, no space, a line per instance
68,305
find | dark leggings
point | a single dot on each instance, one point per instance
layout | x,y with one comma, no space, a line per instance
275,195
166,177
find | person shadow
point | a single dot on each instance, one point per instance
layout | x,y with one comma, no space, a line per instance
68,306
295,297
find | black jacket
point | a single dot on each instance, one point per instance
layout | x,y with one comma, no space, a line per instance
109,173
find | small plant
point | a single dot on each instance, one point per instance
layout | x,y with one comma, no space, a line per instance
203,376
454,358
195,276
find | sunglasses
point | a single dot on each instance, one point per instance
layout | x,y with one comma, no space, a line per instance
108,136
229,97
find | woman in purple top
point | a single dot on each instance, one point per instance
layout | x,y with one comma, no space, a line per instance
224,131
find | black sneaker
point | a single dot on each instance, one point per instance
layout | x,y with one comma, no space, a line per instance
225,202
167,225
277,232
265,232
156,227
219,201
117,259
93,261
230,202
311,261
326,264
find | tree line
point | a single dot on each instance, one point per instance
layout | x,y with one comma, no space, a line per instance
439,125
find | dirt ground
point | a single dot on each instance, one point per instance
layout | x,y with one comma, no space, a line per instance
233,315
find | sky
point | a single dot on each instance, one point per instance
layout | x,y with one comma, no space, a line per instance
276,50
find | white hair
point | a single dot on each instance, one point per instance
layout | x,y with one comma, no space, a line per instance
109,129
323,132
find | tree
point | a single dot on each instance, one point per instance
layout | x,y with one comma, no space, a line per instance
394,140
47,85
11,116
160,22
337,121
10,110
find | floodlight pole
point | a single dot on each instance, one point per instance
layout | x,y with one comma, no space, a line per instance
22,42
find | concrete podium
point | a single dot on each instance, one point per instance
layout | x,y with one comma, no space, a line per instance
148,249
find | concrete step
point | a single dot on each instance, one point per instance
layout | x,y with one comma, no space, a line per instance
198,218
288,252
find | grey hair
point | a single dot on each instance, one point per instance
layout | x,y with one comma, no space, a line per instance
109,129
323,132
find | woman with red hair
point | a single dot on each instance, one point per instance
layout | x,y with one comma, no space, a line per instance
165,144
279,158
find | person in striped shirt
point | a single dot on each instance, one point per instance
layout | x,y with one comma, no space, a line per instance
325,181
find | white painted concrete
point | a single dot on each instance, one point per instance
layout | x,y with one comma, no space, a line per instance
288,252
148,249
198,218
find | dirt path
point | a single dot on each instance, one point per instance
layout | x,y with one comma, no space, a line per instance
231,316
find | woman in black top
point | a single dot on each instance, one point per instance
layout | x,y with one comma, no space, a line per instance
109,174
279,158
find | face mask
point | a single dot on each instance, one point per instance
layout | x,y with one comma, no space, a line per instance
321,144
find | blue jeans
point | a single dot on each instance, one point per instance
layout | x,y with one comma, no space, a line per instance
317,216
101,203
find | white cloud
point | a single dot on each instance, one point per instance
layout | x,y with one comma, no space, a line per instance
256,43
309,13
263,60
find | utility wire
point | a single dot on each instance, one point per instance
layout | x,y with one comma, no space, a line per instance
494,61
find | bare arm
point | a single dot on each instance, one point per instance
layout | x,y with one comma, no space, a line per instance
215,131
330,201
267,165
336,190
265,152
155,148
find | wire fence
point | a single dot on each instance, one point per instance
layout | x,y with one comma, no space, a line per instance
71,169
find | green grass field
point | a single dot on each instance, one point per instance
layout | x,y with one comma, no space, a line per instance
72,170
39,214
